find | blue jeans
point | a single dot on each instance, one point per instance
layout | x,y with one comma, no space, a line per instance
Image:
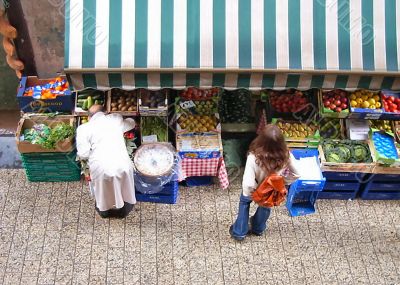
258,222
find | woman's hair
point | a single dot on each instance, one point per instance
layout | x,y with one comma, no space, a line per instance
270,149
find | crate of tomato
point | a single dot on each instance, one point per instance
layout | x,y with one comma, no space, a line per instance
391,105
365,104
334,103
290,103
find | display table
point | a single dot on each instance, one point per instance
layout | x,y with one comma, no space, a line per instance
206,167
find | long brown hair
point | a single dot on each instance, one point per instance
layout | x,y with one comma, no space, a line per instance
270,149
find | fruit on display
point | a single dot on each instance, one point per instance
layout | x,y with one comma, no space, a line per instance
346,151
365,99
123,101
384,145
84,120
296,130
152,99
192,93
289,101
204,107
235,107
56,87
88,98
197,123
382,125
330,128
391,103
335,100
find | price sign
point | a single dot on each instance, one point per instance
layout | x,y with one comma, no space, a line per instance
150,139
187,104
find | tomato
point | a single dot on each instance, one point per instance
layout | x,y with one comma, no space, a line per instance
391,98
397,100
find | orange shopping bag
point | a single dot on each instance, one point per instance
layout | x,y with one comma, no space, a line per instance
271,192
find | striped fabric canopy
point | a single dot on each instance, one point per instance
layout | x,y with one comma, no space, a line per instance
233,43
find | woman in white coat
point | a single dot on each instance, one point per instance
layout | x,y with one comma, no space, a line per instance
101,142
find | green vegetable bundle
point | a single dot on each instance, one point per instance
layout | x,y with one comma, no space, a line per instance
59,133
155,126
346,151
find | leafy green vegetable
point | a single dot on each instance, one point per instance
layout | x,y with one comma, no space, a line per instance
155,126
59,133
346,151
333,157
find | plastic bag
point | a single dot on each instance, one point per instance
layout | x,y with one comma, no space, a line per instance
154,184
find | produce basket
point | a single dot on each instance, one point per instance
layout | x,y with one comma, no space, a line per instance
25,123
45,95
123,102
154,129
391,105
188,123
332,128
362,167
51,167
365,104
298,134
333,103
291,103
236,107
206,145
153,103
86,98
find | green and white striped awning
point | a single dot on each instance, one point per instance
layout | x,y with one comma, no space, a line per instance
233,43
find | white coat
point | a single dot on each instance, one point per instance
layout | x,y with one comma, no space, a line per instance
101,142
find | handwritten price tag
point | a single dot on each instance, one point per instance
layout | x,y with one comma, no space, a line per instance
187,104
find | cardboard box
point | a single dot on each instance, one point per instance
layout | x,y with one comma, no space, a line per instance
28,122
357,129
27,104
205,145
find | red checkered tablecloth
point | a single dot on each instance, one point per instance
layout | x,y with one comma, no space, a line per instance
206,167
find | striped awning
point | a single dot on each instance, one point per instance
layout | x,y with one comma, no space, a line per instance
233,43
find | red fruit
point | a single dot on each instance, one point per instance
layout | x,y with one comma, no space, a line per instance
327,104
338,103
332,107
343,106
344,100
338,109
384,96
397,100
391,98
337,97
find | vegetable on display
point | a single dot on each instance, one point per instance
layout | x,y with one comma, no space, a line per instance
391,102
382,125
235,107
155,126
88,98
48,137
330,128
204,107
289,101
56,87
346,151
123,101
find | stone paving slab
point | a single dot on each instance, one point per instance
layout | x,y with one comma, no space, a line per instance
50,234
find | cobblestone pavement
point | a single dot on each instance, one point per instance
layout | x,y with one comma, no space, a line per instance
50,234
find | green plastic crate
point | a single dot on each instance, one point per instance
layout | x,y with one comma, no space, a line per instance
51,167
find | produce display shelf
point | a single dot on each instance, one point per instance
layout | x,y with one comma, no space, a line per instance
169,195
386,115
381,191
51,167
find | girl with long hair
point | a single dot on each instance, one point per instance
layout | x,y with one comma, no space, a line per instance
268,154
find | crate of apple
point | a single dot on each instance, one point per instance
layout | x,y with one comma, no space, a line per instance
391,102
289,101
335,101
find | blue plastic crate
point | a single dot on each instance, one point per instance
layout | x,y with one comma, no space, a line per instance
381,191
345,176
385,177
339,190
301,203
169,195
194,181
336,195
307,185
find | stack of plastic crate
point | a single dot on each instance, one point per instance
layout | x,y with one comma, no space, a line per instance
342,185
303,193
382,187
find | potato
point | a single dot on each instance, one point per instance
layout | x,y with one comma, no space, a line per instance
120,106
131,108
114,105
114,109
124,108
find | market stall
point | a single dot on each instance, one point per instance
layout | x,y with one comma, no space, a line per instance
317,63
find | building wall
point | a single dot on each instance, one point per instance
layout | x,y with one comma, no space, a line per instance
8,85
